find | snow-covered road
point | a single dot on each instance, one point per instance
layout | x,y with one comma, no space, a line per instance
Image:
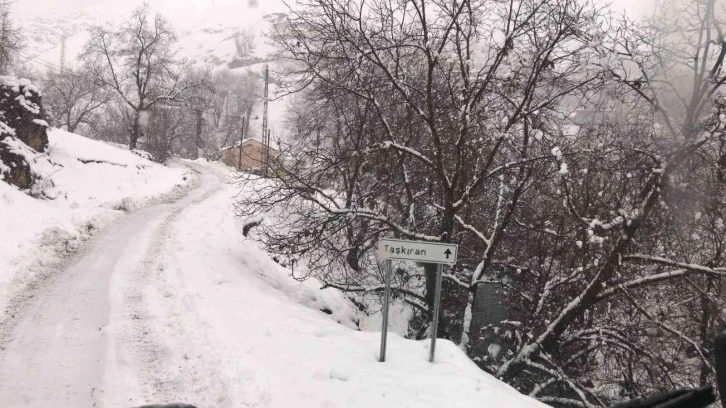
73,344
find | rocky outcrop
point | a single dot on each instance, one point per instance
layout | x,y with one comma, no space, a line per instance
23,132
14,164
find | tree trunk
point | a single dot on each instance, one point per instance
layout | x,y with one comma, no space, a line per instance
199,133
135,132
466,326
430,273
447,225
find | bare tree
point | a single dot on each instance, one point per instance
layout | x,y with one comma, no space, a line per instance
73,97
171,131
236,95
245,42
464,125
10,40
138,63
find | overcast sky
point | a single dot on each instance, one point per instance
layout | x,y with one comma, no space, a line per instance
634,8
54,8
43,8
170,8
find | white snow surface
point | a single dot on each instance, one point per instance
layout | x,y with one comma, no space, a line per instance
82,198
171,303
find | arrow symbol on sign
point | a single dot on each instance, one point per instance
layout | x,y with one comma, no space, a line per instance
447,253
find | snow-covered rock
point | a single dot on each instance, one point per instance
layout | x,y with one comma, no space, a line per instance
23,133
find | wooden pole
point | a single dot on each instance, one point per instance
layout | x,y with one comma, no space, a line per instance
241,138
199,131
264,120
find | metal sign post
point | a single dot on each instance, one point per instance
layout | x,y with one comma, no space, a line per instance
437,310
419,251
386,301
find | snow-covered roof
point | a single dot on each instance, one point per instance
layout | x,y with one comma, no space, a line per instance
245,141
239,144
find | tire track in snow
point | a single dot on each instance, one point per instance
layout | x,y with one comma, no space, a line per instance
165,376
69,341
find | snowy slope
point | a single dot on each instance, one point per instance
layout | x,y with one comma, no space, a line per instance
87,187
241,332
206,31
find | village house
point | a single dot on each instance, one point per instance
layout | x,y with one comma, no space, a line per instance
247,155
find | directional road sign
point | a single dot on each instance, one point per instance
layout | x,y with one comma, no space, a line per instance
420,251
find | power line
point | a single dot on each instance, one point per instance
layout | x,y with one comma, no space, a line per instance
41,62
63,53
51,66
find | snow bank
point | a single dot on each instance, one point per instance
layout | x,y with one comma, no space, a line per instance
87,184
239,331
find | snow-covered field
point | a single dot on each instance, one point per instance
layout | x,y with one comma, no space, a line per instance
242,332
90,184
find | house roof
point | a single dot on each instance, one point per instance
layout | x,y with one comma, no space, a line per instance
238,144
245,141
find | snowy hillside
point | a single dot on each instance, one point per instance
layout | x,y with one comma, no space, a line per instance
89,184
239,331
172,303
207,33
205,30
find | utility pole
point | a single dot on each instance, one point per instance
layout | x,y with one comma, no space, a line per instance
264,153
63,54
241,138
264,122
267,150
199,130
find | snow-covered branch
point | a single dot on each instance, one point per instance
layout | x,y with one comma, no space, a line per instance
693,268
407,150
373,289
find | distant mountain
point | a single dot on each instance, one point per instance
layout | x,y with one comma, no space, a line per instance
211,32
